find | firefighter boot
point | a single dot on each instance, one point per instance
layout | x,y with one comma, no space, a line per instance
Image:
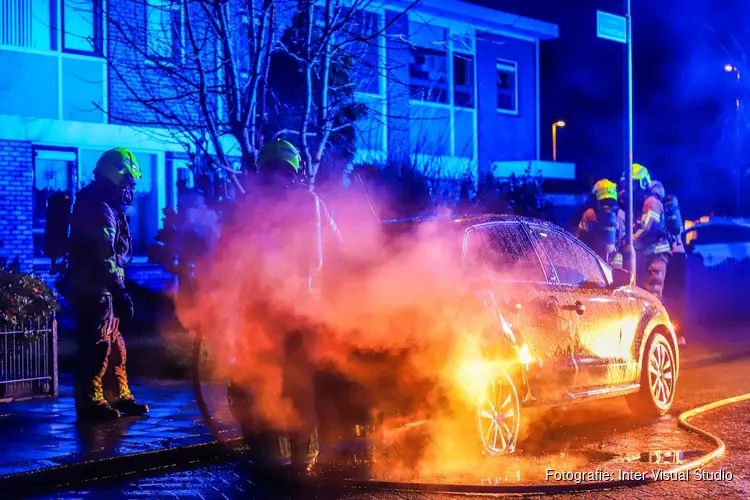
304,450
126,402
95,407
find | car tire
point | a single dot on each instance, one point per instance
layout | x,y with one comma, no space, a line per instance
498,415
658,381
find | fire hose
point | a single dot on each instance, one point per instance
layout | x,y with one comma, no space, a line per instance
233,446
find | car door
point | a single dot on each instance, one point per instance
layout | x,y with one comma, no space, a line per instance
503,258
603,328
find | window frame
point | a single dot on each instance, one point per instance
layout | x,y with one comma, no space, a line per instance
98,49
554,277
514,65
529,238
451,31
177,38
73,181
379,108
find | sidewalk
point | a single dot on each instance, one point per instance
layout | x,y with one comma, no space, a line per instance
44,434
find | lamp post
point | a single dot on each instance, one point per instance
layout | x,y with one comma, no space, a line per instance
734,69
560,124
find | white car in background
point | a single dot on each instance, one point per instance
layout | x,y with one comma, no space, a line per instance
717,239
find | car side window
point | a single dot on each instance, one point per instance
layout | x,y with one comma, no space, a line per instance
503,251
573,263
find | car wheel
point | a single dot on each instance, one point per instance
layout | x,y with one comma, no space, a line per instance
658,382
499,416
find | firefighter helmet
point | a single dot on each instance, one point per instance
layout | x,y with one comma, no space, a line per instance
641,176
282,151
605,190
115,164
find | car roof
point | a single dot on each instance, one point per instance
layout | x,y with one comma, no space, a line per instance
464,221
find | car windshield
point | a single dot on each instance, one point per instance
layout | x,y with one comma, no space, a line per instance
503,251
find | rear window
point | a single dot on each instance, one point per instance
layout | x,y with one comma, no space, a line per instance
503,251
709,235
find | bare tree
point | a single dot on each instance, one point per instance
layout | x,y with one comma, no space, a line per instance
199,71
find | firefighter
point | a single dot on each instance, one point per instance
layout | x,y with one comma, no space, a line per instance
675,291
276,445
603,225
652,248
98,249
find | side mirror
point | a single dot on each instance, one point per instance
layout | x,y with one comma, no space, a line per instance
620,278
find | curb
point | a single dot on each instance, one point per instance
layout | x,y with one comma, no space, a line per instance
67,477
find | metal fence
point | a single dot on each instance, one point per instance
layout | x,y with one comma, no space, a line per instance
28,361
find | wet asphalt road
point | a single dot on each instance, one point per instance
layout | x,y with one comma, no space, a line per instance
583,438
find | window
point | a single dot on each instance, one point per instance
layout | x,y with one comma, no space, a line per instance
428,68
507,86
463,80
26,24
54,172
164,29
573,263
504,252
430,130
82,26
464,133
367,61
428,75
370,128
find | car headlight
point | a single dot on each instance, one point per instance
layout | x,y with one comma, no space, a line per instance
524,355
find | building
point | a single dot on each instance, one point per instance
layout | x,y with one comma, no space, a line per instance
463,96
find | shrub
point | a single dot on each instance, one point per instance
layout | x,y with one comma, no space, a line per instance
24,297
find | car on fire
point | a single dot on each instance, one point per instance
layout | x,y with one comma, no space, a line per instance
578,329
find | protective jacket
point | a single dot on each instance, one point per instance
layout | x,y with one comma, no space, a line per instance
100,245
297,228
601,230
649,235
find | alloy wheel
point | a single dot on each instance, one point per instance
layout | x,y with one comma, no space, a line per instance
661,374
498,416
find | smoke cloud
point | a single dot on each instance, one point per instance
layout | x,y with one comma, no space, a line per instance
395,315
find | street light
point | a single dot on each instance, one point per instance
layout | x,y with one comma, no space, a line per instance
729,68
560,124
734,69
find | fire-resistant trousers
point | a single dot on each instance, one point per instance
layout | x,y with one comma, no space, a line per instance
99,346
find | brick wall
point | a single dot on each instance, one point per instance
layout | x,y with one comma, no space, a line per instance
143,89
16,204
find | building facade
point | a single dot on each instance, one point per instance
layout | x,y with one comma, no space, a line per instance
459,98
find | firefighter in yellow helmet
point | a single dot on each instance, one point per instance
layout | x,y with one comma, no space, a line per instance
298,224
603,225
652,248
99,247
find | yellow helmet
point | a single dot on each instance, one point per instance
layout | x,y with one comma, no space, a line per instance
605,190
641,176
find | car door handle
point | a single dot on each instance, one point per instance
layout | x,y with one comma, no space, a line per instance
577,306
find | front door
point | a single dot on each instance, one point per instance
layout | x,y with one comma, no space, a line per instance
504,256
597,314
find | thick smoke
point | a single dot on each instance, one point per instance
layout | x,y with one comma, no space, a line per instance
396,315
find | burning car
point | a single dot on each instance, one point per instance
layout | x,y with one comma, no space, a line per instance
567,327
577,329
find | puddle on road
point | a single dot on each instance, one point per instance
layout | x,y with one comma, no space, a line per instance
649,457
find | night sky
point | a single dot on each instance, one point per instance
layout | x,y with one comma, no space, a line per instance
684,100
